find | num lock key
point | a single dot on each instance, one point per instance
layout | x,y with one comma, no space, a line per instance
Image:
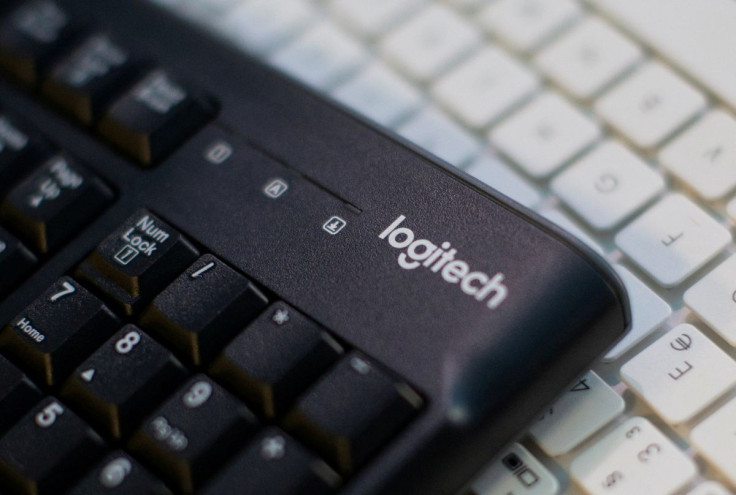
137,260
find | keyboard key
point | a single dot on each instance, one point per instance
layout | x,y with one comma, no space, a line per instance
713,299
379,94
138,260
731,209
588,58
709,488
86,80
525,24
608,185
47,449
352,411
119,474
704,156
650,105
715,439
31,37
648,311
261,26
584,409
697,37
59,329
154,118
203,309
430,42
321,57
493,172
680,374
15,262
122,381
54,203
545,135
433,131
375,17
484,87
516,471
17,394
634,458
20,151
193,433
276,464
275,358
466,4
672,240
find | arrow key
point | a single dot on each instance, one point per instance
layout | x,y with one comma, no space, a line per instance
123,380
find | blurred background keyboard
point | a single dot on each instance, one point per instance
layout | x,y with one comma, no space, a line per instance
611,118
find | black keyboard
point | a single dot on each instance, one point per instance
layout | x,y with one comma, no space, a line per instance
213,281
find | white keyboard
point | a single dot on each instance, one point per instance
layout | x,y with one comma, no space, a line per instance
612,118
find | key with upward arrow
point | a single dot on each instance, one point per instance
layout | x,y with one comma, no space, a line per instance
123,380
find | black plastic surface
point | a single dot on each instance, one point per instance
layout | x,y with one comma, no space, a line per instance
483,373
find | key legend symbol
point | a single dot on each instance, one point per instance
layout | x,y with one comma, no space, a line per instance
218,153
275,188
280,317
126,255
334,225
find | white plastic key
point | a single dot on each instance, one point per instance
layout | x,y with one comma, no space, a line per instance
378,93
715,438
490,170
651,104
516,471
545,135
709,488
587,407
635,458
713,298
484,87
588,58
466,4
680,374
373,17
648,311
260,26
525,24
429,42
672,240
704,156
435,132
731,209
608,185
696,35
321,56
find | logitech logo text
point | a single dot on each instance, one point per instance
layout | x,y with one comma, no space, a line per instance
442,259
